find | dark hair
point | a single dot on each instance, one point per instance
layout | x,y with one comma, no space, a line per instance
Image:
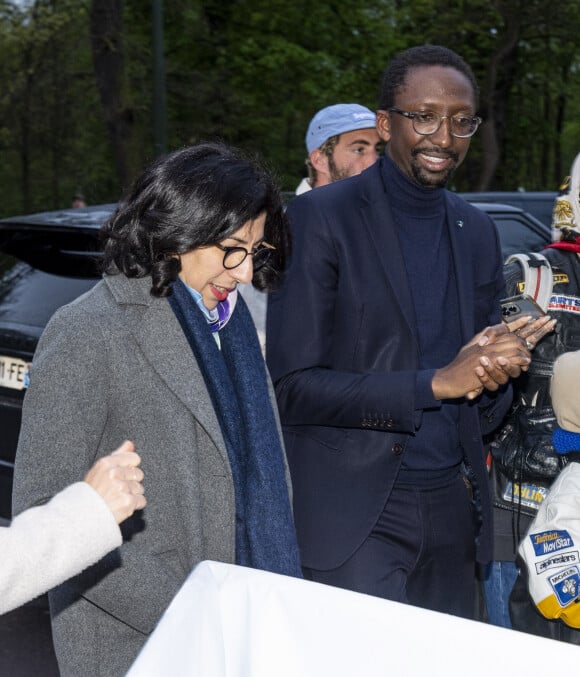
425,55
193,197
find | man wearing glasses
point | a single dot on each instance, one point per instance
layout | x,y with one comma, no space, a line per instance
380,374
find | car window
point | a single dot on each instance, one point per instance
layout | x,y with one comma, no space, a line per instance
516,236
541,209
538,203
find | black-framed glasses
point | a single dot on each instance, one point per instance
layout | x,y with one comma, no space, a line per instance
460,126
235,256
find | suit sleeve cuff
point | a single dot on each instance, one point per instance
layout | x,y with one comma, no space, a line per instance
424,398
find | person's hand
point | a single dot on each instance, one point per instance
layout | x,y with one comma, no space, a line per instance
487,361
530,331
118,480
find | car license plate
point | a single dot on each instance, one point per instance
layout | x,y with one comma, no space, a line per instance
13,372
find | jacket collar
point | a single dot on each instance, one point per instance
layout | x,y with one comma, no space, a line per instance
153,325
378,219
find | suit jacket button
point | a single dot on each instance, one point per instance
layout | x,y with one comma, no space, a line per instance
390,423
397,449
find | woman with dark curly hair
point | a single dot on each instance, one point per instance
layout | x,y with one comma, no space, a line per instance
163,352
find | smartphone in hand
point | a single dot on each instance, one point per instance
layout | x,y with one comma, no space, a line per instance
518,306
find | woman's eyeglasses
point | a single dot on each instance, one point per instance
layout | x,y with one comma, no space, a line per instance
235,256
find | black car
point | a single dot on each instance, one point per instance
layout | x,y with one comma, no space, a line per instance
539,204
46,260
519,231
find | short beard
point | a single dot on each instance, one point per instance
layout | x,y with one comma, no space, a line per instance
335,173
424,181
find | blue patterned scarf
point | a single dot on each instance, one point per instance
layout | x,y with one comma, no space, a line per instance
236,380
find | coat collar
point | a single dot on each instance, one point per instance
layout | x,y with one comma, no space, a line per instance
458,223
153,325
377,218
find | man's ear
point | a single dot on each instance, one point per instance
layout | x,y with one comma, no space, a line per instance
384,125
319,160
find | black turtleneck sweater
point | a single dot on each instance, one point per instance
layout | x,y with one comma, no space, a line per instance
421,224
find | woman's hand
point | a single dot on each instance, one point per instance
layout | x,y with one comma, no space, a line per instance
118,481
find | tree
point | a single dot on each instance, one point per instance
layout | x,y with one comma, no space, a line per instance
106,22
76,94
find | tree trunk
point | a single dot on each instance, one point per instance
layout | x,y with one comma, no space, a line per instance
107,47
561,101
492,104
24,125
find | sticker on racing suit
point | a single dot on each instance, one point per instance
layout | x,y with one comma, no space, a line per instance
530,495
545,542
566,585
557,561
564,304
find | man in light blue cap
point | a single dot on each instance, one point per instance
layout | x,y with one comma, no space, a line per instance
341,141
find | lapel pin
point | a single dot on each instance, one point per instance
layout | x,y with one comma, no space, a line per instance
459,223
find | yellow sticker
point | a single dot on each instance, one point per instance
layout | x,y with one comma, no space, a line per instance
561,278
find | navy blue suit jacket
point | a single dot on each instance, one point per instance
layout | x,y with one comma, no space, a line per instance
342,350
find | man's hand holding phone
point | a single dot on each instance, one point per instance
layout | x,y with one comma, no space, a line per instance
525,318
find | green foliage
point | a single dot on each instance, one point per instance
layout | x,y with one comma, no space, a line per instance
258,71
49,149
253,72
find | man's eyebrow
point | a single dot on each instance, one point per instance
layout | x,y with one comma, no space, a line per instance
359,142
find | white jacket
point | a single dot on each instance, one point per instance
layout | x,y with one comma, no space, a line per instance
47,544
550,550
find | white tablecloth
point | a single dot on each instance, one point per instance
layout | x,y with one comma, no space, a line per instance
229,621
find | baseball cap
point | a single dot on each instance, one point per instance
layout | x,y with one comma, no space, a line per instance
337,119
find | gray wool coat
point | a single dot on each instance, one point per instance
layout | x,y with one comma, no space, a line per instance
115,365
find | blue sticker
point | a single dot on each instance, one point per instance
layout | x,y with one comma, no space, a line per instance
566,585
546,542
529,495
